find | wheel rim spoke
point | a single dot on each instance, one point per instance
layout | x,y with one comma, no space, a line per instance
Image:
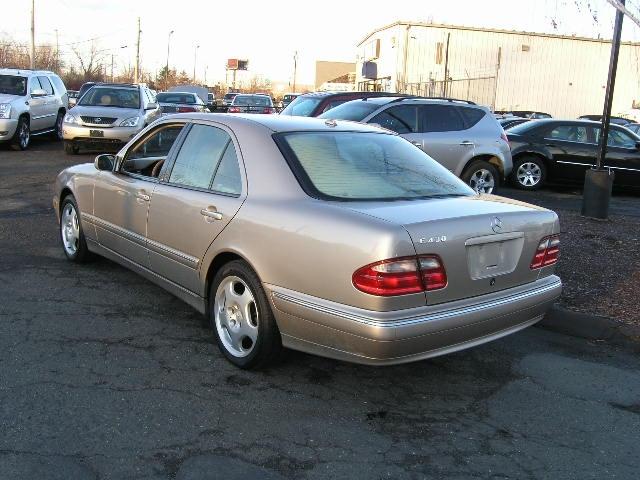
236,315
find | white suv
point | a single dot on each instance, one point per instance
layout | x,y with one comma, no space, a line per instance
32,102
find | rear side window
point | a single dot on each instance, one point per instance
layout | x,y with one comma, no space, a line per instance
34,84
441,118
199,156
58,84
302,106
356,110
227,177
365,166
471,116
46,85
569,133
403,119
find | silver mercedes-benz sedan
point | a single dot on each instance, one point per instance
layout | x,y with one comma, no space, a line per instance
330,237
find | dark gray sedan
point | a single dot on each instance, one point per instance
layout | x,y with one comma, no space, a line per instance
180,102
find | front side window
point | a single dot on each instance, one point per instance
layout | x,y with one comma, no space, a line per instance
13,85
365,166
441,118
111,97
403,119
569,133
149,154
199,156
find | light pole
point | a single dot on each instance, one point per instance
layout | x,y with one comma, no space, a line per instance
598,182
295,68
166,73
195,59
112,55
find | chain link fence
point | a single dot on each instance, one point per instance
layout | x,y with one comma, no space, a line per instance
481,90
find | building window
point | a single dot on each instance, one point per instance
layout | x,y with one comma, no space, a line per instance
525,48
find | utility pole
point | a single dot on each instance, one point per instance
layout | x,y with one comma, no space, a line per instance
295,68
32,61
111,67
598,182
57,51
195,59
137,70
166,77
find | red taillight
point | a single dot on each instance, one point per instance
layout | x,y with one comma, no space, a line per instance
269,110
186,109
233,110
547,252
401,276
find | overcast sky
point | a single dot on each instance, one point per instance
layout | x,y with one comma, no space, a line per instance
268,33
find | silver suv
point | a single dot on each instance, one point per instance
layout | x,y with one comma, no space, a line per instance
108,116
462,136
32,102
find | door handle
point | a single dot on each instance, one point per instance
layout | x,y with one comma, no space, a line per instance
143,196
211,212
417,144
467,143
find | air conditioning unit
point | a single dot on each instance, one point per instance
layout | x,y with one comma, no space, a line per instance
370,70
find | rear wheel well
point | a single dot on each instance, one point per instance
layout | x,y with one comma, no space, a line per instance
491,159
531,154
217,263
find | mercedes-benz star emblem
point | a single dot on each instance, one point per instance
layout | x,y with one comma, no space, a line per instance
496,225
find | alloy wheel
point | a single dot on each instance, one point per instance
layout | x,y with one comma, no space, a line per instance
236,316
24,135
70,229
529,174
482,181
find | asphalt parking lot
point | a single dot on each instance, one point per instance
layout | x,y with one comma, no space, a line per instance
106,376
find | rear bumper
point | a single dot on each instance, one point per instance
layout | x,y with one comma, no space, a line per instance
7,128
383,338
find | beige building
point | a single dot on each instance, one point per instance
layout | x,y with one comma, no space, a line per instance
332,72
506,70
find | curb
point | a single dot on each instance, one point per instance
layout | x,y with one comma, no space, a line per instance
591,327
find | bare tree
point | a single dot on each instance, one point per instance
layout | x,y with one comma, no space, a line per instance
91,62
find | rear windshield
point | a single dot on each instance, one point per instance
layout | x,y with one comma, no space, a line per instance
260,100
302,106
365,166
288,98
187,98
13,85
355,110
230,96
111,97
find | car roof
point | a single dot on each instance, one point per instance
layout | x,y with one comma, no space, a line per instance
180,93
24,71
282,123
552,121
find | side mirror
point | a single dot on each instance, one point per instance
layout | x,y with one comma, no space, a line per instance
104,162
38,92
152,106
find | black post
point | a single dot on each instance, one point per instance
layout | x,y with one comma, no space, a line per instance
599,182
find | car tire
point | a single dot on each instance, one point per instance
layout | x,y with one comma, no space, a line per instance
70,148
57,133
22,137
241,317
74,243
529,172
482,177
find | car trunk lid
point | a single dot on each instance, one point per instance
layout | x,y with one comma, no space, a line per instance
486,243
